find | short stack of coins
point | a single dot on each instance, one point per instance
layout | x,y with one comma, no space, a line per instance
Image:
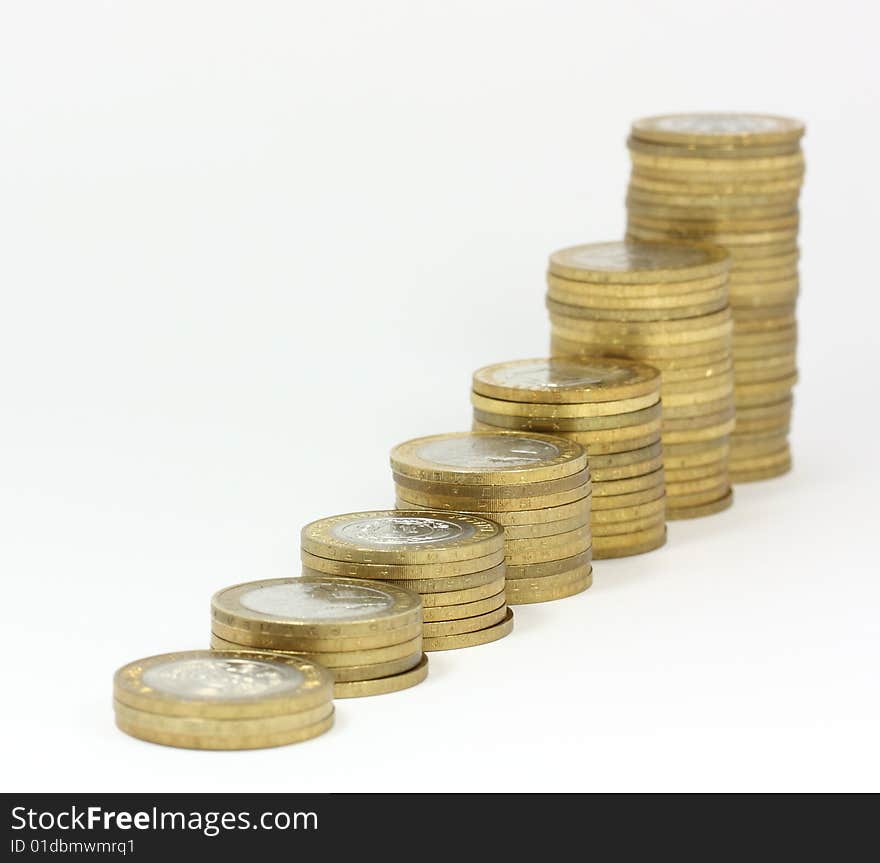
735,180
664,304
368,635
205,699
454,561
599,403
536,486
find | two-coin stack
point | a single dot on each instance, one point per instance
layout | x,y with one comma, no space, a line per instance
536,486
734,179
367,634
609,406
664,304
454,561
223,699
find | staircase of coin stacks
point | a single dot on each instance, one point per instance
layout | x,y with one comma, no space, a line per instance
735,180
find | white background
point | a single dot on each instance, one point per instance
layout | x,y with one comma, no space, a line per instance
245,248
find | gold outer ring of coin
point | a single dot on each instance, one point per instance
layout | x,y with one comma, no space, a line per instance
402,572
546,529
403,613
688,326
700,510
478,538
699,471
697,413
463,597
578,534
722,151
219,727
445,584
600,381
565,411
528,592
699,163
695,486
472,639
709,434
641,547
699,187
637,290
255,637
697,498
783,131
618,501
565,264
570,460
442,628
129,688
627,486
717,351
550,567
545,555
713,202
619,528
704,384
643,314
227,742
640,421
440,613
657,353
688,460
759,475
537,516
376,669
629,457
761,462
383,685
508,504
636,538
466,492
631,513
751,400
612,474
645,337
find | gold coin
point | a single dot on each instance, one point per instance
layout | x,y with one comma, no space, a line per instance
197,741
713,201
699,423
694,486
697,471
545,529
400,572
462,597
641,181
689,326
618,501
488,458
604,517
789,163
765,323
763,262
760,462
636,525
657,351
636,543
709,434
698,511
697,498
579,534
758,474
758,253
629,471
670,359
701,397
749,446
697,414
542,570
318,610
718,129
639,419
445,584
762,426
689,454
776,409
544,554
326,658
465,609
545,590
397,538
742,399
721,151
472,639
491,492
442,628
715,224
581,410
632,484
755,352
661,208
715,376
761,389
622,313
730,239
383,685
647,291
375,670
617,443
498,504
628,263
628,458
222,685
546,515
561,380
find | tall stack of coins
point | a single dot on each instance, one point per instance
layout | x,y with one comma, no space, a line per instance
664,304
602,404
536,486
454,561
734,179
367,634
223,700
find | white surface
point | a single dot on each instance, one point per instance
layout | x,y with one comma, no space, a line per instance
248,247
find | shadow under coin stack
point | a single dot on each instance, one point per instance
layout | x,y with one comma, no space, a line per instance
600,404
536,486
367,635
734,179
205,699
454,561
664,304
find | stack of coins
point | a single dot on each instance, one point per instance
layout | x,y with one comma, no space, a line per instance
664,304
454,561
536,486
734,179
223,700
602,404
367,634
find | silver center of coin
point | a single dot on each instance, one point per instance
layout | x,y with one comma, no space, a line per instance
306,601
559,374
488,452
222,678
718,124
625,257
387,530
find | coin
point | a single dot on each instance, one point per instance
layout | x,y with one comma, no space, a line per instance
580,410
392,537
739,475
720,150
472,639
490,492
636,525
383,685
488,458
526,556
674,514
542,570
544,529
679,290
547,515
222,685
629,314
631,424
527,591
603,475
375,670
632,484
616,501
631,513
465,609
435,629
450,598
447,583
633,543
401,572
497,504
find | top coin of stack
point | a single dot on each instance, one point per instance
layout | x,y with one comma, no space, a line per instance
734,179
663,304
223,699
454,561
598,402
536,486
367,634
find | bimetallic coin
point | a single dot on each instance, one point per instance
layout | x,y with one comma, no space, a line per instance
699,510
552,567
459,504
526,591
628,314
465,609
472,639
401,572
639,419
447,583
636,525
440,628
759,474
652,508
635,498
678,291
628,471
383,685
222,685
628,544
713,129
546,515
729,150
469,490
450,598
374,670
393,537
581,410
